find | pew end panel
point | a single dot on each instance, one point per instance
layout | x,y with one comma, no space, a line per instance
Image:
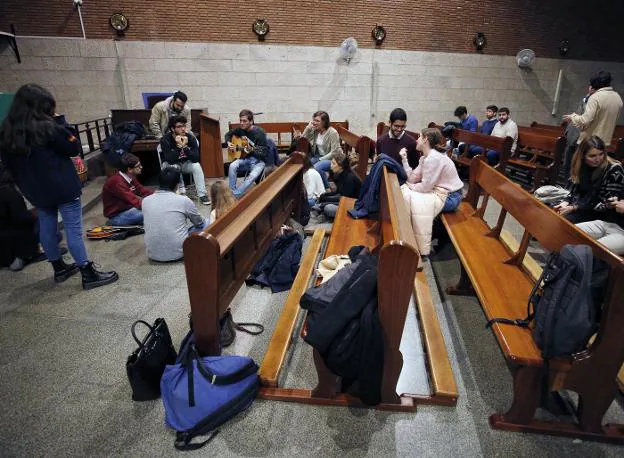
211,153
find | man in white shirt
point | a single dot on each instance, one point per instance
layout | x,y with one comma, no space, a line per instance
505,127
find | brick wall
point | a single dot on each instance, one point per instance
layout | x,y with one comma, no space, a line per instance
592,28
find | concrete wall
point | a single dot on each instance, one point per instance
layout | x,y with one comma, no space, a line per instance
288,82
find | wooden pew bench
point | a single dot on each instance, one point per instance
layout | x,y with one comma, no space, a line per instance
219,259
487,142
495,271
539,156
398,277
363,146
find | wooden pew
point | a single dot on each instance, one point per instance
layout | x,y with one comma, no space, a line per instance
540,156
487,142
497,275
284,130
210,150
364,148
219,259
398,278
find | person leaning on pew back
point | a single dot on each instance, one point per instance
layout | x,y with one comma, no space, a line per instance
165,110
595,178
36,147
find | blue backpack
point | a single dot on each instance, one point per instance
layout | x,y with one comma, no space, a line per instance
201,393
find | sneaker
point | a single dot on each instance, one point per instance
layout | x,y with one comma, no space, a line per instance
204,200
92,278
17,264
181,189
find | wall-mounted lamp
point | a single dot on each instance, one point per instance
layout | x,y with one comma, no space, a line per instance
564,48
261,28
119,23
479,41
378,34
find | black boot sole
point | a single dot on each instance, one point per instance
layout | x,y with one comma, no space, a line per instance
66,275
97,283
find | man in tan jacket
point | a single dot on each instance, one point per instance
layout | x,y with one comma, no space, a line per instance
166,109
601,112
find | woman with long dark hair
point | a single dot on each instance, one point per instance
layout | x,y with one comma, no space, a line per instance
36,148
595,179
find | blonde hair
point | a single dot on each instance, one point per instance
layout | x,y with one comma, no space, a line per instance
435,138
593,142
221,197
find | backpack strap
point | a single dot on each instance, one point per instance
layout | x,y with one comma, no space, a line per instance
522,323
183,440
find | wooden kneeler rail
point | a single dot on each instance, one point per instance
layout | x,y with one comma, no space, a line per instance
394,241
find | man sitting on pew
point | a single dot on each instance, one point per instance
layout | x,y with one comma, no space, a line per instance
165,110
122,194
396,140
180,150
166,216
505,127
468,122
253,158
486,128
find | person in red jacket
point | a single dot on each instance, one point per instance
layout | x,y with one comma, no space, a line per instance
123,195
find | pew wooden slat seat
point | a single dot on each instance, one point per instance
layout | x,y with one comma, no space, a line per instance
284,130
540,155
496,272
218,260
392,238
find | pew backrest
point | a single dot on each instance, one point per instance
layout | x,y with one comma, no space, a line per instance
363,146
219,259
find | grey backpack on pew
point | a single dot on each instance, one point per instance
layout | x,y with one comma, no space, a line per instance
565,307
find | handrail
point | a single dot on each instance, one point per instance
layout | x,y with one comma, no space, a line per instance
102,126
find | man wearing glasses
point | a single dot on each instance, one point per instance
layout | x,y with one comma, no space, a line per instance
396,139
180,150
123,195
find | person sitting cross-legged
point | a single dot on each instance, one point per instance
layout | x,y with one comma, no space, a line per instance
255,157
122,194
180,150
165,218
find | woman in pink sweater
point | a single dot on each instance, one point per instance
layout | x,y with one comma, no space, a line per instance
431,187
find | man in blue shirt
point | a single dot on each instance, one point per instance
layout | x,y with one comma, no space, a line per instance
490,120
468,122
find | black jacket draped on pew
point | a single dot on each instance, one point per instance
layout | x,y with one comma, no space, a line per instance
343,325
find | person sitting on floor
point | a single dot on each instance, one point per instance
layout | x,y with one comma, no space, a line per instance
324,141
19,228
430,186
165,216
180,150
312,181
122,194
397,139
222,199
595,178
610,229
348,184
255,154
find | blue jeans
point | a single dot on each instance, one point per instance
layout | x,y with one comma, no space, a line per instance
249,164
130,217
199,227
71,213
323,167
452,201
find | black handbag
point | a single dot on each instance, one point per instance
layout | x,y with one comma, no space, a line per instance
146,364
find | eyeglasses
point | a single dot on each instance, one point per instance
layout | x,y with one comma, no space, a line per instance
178,126
138,166
398,126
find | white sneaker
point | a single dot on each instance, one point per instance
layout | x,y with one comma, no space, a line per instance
181,189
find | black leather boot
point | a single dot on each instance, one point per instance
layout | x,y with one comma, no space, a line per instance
92,278
63,271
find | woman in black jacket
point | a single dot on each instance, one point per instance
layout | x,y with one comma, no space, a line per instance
348,184
36,148
595,179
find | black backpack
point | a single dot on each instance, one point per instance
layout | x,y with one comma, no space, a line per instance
565,307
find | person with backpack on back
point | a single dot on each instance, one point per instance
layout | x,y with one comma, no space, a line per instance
37,149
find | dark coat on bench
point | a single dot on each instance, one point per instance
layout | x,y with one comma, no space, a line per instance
368,201
344,326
